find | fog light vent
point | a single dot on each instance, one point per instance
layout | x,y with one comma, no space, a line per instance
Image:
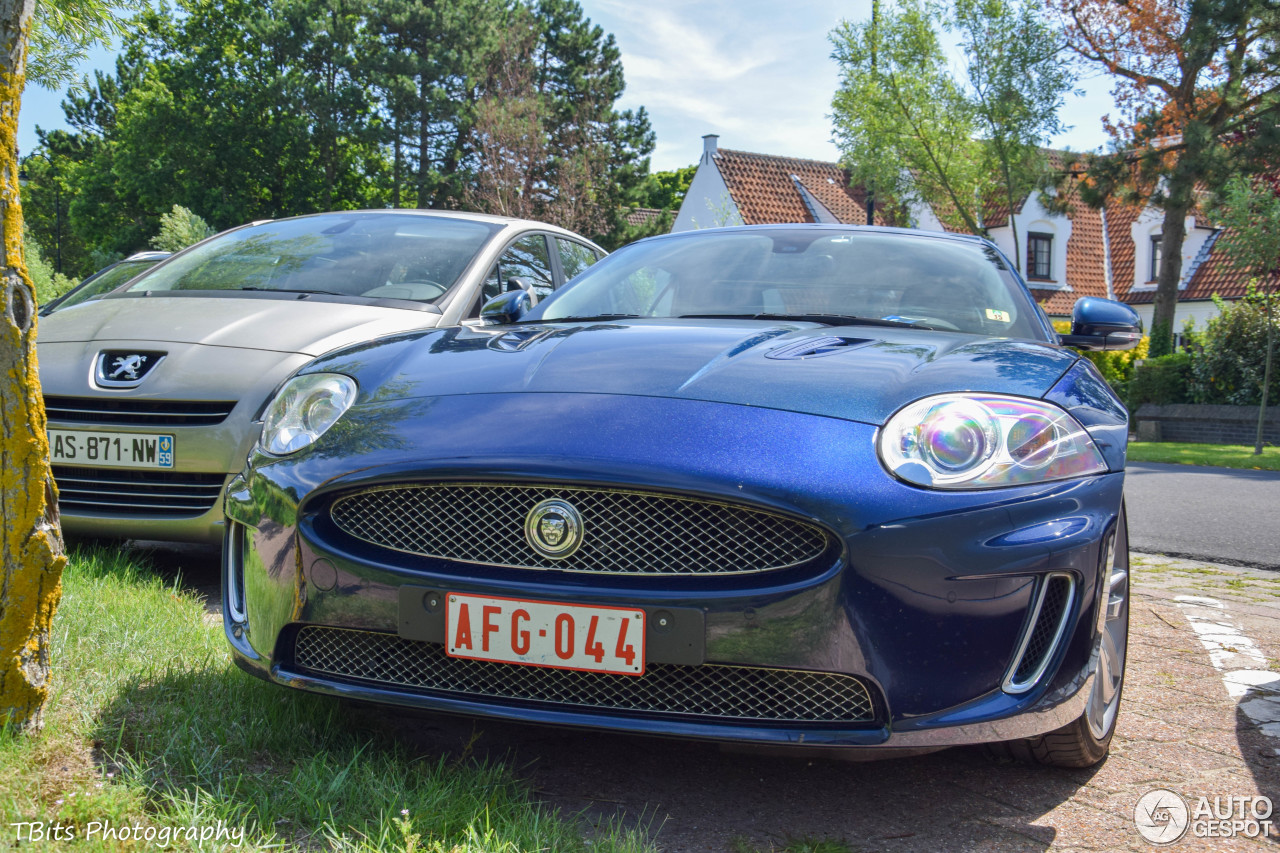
1044,630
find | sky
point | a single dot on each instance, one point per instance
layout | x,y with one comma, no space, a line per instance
757,72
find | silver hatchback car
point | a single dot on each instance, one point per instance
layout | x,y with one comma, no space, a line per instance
154,392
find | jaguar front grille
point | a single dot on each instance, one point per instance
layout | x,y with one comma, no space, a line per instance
623,532
742,693
126,411
121,491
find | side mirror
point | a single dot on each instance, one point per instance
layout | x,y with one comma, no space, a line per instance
507,308
1103,324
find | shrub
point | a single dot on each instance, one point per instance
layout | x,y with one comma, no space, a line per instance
48,284
1228,365
180,228
1163,381
1116,366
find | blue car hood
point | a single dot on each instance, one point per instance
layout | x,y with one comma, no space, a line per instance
858,373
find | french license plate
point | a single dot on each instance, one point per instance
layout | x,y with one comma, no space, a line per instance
111,449
545,633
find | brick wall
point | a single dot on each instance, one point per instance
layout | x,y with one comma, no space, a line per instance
1206,424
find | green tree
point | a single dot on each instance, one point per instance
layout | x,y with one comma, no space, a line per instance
912,130
180,228
664,190
549,140
1017,76
1250,210
1197,85
903,124
427,65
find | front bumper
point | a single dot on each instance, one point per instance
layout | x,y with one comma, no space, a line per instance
182,503
923,597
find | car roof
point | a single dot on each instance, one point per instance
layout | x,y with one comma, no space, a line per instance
509,221
824,226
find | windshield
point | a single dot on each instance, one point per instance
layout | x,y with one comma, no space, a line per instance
793,272
107,280
375,255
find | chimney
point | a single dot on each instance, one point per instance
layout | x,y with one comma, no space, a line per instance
709,145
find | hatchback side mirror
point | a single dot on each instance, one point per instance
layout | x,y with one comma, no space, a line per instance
1103,324
507,307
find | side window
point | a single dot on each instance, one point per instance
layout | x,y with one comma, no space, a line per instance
575,257
527,258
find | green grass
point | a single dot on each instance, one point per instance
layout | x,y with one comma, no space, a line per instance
149,724
1221,455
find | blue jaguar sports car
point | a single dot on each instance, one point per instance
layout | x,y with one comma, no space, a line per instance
804,486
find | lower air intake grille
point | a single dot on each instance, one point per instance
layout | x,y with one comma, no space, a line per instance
124,492
712,690
1054,605
624,532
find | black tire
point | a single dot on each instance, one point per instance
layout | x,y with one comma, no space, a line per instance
1086,740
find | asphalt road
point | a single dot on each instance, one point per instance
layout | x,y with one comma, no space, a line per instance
1221,515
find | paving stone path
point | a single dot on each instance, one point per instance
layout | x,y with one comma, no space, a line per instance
1198,719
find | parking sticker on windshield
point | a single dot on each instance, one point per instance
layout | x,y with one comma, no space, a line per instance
1001,316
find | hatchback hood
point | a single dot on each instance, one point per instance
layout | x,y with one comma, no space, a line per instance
865,375
308,326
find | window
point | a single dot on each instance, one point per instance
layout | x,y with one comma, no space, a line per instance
575,257
1156,240
527,258
1040,256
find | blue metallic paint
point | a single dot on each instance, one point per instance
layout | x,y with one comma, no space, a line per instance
721,362
924,598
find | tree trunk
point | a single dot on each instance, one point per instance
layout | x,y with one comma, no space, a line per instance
31,585
1266,374
1166,306
424,141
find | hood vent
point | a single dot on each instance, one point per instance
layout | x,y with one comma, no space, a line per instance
519,339
816,347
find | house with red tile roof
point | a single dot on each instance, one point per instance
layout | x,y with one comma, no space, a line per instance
1112,253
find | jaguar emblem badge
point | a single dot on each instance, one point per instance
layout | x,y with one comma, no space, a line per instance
124,368
553,528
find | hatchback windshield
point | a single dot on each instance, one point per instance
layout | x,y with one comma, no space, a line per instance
794,272
375,255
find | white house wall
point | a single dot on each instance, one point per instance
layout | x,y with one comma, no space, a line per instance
707,204
1150,223
1199,311
921,216
1035,218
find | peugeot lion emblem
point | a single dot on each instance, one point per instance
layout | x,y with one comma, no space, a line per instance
129,365
125,368
553,528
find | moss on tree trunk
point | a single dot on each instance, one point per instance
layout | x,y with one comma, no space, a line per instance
31,584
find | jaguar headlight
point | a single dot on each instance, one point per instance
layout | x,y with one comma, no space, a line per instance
983,441
304,409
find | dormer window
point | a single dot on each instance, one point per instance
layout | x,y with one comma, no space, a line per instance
1156,240
1040,256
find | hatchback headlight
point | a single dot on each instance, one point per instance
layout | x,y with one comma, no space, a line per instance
982,441
304,409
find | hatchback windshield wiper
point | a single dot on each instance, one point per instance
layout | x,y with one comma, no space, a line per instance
294,290
825,319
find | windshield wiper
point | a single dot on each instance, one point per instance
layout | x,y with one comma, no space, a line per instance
825,319
294,290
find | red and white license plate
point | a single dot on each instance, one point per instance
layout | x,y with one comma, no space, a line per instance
545,633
